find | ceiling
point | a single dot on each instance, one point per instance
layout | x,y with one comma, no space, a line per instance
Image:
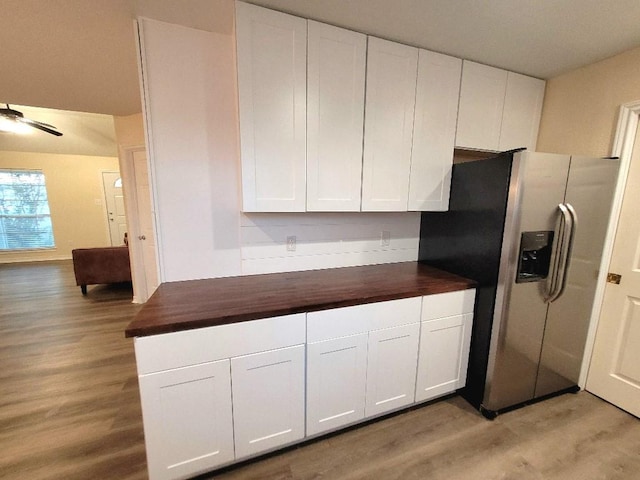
89,134
80,54
541,38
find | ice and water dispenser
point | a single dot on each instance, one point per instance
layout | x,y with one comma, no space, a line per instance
535,256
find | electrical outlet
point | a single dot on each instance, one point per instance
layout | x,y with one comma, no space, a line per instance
385,238
291,243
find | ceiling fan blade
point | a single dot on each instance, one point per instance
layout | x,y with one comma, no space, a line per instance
41,126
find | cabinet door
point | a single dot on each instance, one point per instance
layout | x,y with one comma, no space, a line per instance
522,110
391,368
335,116
434,131
336,381
389,108
272,93
481,104
188,426
268,399
444,356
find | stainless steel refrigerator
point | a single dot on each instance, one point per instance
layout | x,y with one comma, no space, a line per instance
529,228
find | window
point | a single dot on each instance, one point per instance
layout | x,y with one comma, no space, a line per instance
25,220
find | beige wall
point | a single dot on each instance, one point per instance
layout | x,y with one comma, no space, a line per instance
76,200
580,110
129,130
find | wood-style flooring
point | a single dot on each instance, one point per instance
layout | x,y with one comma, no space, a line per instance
69,409
69,405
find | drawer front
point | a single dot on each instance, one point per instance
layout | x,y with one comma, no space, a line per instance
447,304
156,353
346,321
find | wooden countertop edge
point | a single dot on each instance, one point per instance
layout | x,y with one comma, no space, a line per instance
146,328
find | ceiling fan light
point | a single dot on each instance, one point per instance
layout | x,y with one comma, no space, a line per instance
9,125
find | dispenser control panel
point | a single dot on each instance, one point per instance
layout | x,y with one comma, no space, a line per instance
535,256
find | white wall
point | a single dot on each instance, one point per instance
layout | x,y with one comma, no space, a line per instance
193,137
326,240
190,114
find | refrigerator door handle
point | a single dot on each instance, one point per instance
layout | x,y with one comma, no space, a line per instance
554,271
569,251
564,247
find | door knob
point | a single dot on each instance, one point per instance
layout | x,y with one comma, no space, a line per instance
142,237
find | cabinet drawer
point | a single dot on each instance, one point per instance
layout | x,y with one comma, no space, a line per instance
180,349
342,322
447,304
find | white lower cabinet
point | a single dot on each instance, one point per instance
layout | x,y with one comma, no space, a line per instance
336,379
216,395
361,362
445,337
268,400
187,419
202,388
391,368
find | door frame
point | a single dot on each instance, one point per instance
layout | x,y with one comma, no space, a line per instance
136,258
628,120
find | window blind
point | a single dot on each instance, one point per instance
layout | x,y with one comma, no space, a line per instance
25,219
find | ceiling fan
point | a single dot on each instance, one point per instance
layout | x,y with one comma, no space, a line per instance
12,120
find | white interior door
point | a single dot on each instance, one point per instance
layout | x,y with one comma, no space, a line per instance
114,198
614,373
146,238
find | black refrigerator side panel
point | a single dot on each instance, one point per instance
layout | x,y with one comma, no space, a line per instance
467,240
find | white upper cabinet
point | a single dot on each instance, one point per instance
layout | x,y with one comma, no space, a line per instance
390,100
522,110
499,110
335,113
334,121
481,103
434,131
272,64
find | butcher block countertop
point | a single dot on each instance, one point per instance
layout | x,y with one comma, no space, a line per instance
177,306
